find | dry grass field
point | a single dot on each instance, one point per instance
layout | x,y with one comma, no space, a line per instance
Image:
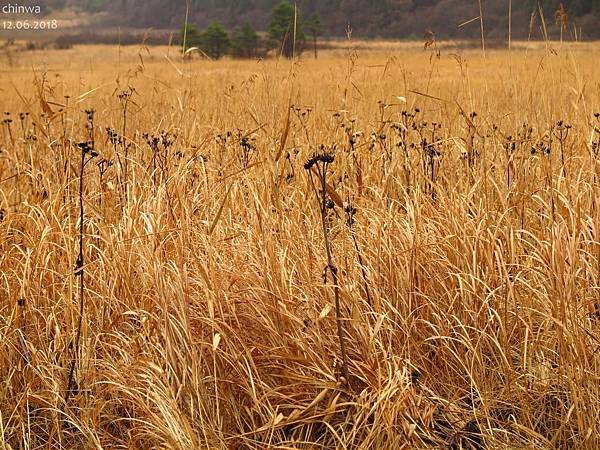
384,248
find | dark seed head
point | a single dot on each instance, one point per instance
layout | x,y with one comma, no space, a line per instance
349,209
311,162
415,376
326,158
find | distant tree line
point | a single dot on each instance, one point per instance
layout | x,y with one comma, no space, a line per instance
367,18
286,35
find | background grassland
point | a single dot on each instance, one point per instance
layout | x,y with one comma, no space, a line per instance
206,321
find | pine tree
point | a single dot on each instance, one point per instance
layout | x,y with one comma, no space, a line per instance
245,42
215,41
191,35
314,26
285,31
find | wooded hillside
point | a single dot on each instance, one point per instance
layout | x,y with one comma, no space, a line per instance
368,18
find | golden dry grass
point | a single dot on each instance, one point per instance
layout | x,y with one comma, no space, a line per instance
207,323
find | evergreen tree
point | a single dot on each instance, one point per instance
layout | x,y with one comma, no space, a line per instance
191,35
285,26
245,42
215,41
314,27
